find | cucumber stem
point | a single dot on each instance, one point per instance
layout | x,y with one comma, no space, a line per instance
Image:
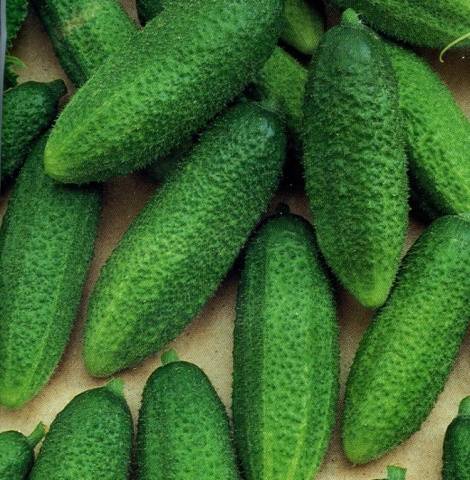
350,17
170,357
464,408
116,386
37,435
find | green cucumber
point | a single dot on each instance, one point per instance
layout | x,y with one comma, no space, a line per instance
284,403
28,110
46,244
178,250
91,438
410,347
457,445
16,15
85,33
437,134
355,167
17,453
174,76
396,473
424,23
183,430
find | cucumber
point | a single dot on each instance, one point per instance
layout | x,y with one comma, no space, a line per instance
17,11
90,438
85,33
283,402
457,445
423,23
17,453
174,76
28,110
410,347
396,473
178,250
437,136
46,244
355,169
183,430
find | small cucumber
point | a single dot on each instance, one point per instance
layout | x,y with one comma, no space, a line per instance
183,431
17,453
90,439
85,33
355,167
176,74
457,445
16,15
178,250
28,110
46,244
283,402
410,347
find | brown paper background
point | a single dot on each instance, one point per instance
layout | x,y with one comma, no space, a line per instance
208,341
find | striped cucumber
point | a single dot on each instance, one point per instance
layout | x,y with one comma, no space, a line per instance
283,402
46,243
410,347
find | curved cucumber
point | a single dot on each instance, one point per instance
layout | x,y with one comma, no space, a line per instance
457,445
179,248
433,24
283,402
17,453
91,438
174,76
85,33
46,244
354,160
410,347
28,110
183,430
16,15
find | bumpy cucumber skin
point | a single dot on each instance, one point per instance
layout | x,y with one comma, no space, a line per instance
423,23
85,33
354,160
283,401
16,15
28,110
90,438
437,135
175,254
183,430
410,347
16,456
46,244
457,446
174,76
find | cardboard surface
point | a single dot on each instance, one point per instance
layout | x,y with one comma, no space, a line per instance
208,341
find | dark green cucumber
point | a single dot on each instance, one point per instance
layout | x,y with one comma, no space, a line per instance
178,250
410,347
174,76
46,244
424,23
183,431
90,439
457,445
16,15
28,110
355,168
17,453
85,33
284,404
437,134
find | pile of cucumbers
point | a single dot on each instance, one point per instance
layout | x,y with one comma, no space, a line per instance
220,100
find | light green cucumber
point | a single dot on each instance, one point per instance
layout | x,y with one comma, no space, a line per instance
17,453
410,347
174,76
284,403
424,23
437,136
354,160
85,33
28,110
46,244
90,439
183,430
457,445
178,250
16,15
